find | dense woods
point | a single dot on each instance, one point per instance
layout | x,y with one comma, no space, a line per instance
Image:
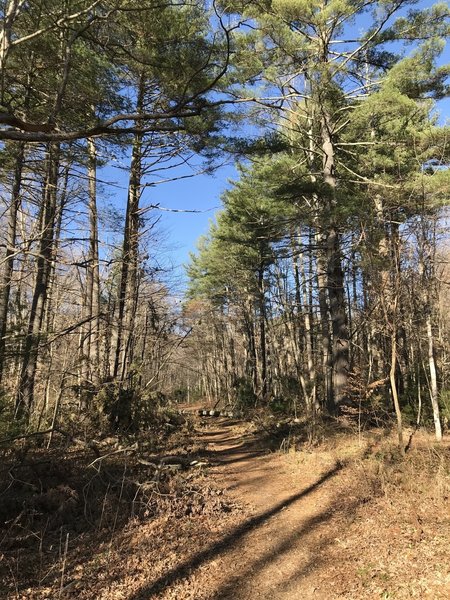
314,311
323,281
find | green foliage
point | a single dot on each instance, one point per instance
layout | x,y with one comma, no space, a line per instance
270,143
117,404
130,410
418,76
279,405
418,24
183,394
410,409
245,396
9,424
180,395
242,244
444,401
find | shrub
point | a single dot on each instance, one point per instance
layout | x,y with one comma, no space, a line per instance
245,396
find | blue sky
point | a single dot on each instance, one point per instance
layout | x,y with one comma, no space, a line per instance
179,232
201,193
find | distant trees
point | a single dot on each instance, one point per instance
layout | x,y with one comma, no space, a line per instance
76,316
319,284
360,168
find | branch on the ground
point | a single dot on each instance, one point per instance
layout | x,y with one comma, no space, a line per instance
90,444
99,458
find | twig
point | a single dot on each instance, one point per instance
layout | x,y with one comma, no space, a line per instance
66,547
133,447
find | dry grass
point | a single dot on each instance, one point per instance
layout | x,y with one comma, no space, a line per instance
395,544
386,536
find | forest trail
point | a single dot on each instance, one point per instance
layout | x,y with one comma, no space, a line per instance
347,519
314,524
290,509
279,550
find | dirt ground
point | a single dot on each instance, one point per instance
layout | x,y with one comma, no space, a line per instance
349,519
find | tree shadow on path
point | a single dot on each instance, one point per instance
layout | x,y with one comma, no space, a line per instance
228,542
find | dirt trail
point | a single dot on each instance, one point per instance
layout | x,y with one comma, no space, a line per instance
311,527
278,551
348,520
279,541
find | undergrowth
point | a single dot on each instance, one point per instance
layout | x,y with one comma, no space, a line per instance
54,502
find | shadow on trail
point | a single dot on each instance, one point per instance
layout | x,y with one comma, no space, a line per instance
237,587
238,454
209,434
227,448
230,540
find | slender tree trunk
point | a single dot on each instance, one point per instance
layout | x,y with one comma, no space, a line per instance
52,286
433,380
393,382
308,337
303,309
325,338
390,308
11,11
336,293
262,334
128,280
325,341
93,270
8,268
252,356
25,397
426,273
335,273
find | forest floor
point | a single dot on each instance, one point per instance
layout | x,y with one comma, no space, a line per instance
348,518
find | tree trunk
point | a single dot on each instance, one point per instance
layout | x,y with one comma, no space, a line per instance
262,334
335,273
10,250
428,283
128,280
93,270
25,397
325,341
308,338
393,382
336,294
433,380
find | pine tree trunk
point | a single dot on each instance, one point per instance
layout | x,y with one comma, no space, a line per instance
262,334
336,294
335,274
128,280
